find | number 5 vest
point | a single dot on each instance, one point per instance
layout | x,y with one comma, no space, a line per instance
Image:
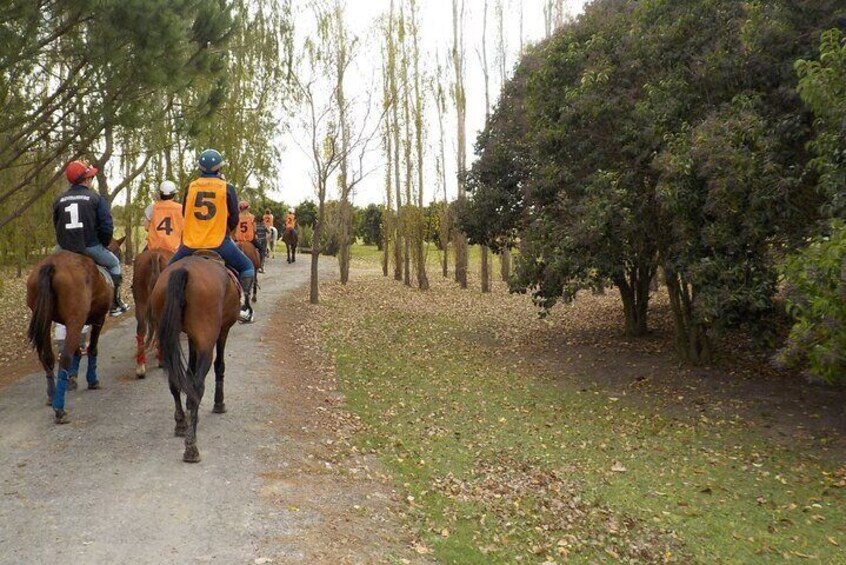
205,214
166,225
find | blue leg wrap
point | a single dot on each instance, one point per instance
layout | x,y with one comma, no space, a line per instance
74,369
61,389
91,373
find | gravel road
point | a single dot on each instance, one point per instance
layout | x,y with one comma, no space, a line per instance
110,487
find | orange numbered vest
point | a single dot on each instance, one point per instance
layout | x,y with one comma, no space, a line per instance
166,226
205,214
246,230
290,222
268,220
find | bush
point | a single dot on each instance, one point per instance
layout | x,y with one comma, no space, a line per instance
816,291
305,233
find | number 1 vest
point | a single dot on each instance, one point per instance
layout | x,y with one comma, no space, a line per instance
166,226
205,214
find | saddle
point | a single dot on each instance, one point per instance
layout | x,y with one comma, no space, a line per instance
210,255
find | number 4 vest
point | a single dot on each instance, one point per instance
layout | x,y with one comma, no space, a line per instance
205,214
166,225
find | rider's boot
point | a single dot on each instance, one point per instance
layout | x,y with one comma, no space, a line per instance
118,307
247,285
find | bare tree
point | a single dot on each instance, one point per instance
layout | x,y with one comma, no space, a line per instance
419,106
326,149
460,98
486,271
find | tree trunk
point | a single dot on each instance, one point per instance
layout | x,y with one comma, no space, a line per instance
505,264
314,287
692,341
634,292
486,270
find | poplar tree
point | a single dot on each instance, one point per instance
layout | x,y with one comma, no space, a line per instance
460,99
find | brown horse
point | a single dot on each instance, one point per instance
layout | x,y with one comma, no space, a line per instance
198,297
253,254
147,268
291,240
67,288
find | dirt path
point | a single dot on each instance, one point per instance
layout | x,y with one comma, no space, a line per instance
111,488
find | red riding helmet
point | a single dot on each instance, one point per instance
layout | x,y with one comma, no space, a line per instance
78,171
243,205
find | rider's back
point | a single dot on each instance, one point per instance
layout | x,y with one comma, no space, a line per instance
75,219
205,213
166,226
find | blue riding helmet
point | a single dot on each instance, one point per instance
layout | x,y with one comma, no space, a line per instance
210,161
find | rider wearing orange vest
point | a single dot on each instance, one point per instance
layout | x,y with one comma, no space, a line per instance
211,212
165,219
291,221
246,229
268,218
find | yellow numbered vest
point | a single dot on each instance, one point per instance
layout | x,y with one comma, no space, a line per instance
205,214
166,226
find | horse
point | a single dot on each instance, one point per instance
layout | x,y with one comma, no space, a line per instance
67,288
147,268
272,237
196,296
291,240
254,255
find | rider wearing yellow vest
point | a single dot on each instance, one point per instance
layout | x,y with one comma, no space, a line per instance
211,212
165,223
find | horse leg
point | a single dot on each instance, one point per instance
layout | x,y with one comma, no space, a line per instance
178,413
140,350
198,376
219,369
71,345
74,369
91,371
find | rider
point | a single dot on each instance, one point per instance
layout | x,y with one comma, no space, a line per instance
291,222
268,218
166,218
246,230
208,227
84,225
261,242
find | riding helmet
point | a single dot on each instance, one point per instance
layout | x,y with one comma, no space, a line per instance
78,171
210,161
167,188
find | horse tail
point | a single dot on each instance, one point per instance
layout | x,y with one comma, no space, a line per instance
170,329
155,273
42,315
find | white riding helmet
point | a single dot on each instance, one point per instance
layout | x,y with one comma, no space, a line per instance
167,187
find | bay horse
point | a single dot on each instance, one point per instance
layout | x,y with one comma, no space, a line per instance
67,288
291,240
254,255
146,270
196,296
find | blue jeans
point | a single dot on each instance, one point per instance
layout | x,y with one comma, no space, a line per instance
232,256
105,258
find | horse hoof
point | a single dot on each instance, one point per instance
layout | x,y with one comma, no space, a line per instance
61,417
141,371
94,386
219,408
191,455
49,401
72,384
179,430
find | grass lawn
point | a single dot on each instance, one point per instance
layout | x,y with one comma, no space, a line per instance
510,449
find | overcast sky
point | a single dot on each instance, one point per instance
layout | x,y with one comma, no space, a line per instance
295,183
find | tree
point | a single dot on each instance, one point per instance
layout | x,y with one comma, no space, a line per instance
371,226
459,97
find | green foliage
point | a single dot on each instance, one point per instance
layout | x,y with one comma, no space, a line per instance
306,213
371,226
816,291
664,133
822,84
